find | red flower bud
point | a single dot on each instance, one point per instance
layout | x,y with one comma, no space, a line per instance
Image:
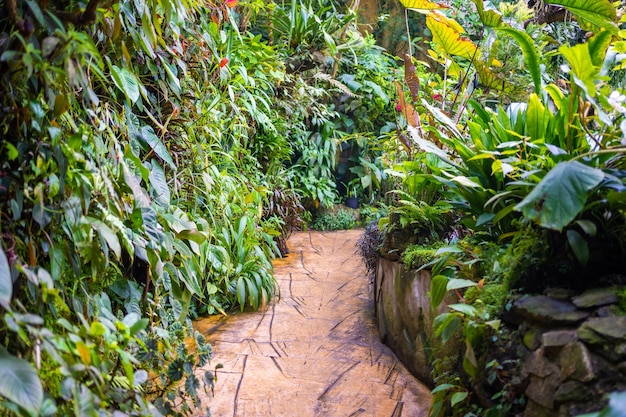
231,3
223,62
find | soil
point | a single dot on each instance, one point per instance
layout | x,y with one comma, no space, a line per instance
316,350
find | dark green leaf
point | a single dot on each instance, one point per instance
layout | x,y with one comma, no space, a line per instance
561,195
150,138
437,290
530,54
579,246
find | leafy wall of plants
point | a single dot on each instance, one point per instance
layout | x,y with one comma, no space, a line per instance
154,156
120,219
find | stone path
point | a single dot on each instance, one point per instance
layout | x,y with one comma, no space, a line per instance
316,351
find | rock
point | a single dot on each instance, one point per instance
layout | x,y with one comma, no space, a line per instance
554,340
541,390
607,311
576,363
620,351
537,364
548,311
596,297
599,330
558,293
571,391
536,410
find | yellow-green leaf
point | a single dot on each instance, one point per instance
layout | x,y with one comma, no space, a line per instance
489,17
422,5
449,39
83,351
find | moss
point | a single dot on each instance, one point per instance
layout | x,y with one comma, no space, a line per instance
416,256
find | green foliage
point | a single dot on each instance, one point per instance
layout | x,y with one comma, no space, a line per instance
334,220
416,256
537,167
429,223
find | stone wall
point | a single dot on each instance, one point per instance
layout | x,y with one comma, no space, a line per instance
405,319
577,350
572,347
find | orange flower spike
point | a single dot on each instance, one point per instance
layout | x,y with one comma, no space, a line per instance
223,62
231,3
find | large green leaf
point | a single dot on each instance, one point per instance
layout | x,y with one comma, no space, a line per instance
126,82
561,195
107,234
448,37
19,382
530,54
579,246
158,181
149,137
437,290
580,61
536,118
6,283
597,12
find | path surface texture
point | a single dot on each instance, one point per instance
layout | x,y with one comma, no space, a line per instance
316,350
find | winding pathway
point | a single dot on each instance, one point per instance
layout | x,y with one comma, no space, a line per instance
316,351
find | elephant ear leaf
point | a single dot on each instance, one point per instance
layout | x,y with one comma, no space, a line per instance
19,382
447,34
126,81
561,195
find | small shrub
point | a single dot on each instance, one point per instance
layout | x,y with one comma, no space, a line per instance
339,220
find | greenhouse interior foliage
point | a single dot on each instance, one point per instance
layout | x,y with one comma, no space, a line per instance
155,157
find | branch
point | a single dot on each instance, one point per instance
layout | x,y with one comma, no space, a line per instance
550,14
17,21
